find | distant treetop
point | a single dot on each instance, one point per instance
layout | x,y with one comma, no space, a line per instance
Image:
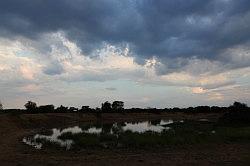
1,106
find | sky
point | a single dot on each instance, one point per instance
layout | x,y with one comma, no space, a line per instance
147,53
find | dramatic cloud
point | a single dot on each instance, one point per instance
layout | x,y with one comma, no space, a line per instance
166,28
199,46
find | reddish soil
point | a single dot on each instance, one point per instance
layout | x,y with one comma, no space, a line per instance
13,152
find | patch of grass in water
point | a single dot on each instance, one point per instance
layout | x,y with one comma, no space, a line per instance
87,140
48,144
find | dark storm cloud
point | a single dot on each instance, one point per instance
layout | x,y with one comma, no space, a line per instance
167,29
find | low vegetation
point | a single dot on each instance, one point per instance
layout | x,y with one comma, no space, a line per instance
186,133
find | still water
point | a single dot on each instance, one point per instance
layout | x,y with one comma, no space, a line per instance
139,127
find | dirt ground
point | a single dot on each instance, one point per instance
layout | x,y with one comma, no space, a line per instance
13,152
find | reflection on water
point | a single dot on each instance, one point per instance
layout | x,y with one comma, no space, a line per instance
73,130
56,133
30,142
147,126
94,130
53,138
166,122
140,127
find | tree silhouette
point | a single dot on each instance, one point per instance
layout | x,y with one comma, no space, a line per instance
106,106
85,108
46,108
118,105
239,105
30,106
1,106
62,109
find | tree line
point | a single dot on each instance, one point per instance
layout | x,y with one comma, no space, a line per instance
118,106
